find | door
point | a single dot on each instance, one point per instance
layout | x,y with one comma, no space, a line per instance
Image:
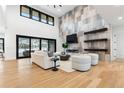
27,44
23,47
35,44
44,45
52,45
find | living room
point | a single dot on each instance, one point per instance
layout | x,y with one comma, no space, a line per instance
56,41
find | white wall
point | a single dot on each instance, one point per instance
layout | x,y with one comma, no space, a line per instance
119,32
24,26
2,30
0,16
1,19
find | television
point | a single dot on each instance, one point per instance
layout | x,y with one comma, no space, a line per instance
72,38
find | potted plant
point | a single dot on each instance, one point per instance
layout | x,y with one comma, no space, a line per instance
65,46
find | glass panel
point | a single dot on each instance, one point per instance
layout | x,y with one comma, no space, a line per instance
35,15
35,44
44,45
50,20
24,44
52,46
1,45
43,18
25,11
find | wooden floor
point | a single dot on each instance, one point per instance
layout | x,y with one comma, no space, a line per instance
23,74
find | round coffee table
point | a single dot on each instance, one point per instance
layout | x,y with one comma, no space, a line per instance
55,59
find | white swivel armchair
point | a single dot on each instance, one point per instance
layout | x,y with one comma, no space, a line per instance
42,59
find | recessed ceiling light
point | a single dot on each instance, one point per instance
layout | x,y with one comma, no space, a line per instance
59,10
120,18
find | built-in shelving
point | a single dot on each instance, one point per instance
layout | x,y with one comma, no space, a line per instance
96,31
95,40
96,50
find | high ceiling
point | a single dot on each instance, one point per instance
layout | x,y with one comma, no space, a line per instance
114,14
58,11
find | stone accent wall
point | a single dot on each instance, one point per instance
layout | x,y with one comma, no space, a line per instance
79,20
82,18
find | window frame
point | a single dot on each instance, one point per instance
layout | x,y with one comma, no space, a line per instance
21,11
3,44
52,19
39,13
32,37
35,11
46,18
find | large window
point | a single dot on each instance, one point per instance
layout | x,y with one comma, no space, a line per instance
1,44
52,46
25,11
50,20
28,44
43,18
44,45
35,44
23,47
34,14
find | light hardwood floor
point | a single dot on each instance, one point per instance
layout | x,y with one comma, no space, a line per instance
21,74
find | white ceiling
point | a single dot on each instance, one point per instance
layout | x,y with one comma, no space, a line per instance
59,11
111,13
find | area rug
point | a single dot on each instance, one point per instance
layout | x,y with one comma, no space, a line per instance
66,66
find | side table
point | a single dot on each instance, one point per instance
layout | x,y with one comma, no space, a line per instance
55,59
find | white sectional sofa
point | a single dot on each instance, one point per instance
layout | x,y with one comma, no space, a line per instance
42,59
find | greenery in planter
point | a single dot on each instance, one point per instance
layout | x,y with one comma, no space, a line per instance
65,45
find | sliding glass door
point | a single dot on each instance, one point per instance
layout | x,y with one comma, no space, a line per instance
52,46
44,45
35,44
23,47
27,44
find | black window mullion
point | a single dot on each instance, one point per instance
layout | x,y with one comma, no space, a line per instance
40,45
3,46
48,45
30,13
55,45
53,21
17,47
30,46
47,18
39,16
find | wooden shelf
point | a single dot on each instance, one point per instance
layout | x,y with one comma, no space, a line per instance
96,31
96,50
95,40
